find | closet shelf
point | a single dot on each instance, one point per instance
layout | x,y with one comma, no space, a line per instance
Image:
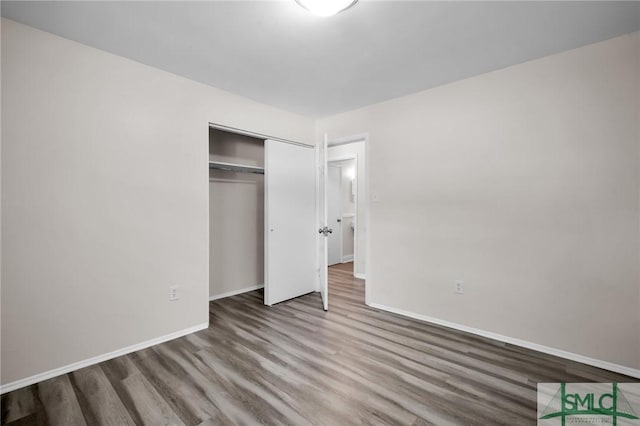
235,167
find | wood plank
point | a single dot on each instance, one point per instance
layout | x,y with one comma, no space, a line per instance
18,404
150,407
101,398
60,402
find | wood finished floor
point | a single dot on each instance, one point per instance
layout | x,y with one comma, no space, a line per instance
296,364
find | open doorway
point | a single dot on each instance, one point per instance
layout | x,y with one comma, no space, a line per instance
348,155
341,205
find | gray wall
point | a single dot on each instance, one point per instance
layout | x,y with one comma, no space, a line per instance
524,183
105,198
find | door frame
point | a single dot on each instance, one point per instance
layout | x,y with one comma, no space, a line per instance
361,137
355,216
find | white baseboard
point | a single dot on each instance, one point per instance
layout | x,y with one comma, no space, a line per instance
348,258
235,292
616,368
98,359
361,276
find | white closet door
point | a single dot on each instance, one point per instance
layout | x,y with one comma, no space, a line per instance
324,230
290,232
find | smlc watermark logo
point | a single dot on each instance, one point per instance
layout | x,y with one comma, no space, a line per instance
588,403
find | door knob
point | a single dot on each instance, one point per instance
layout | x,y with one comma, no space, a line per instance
326,231
339,220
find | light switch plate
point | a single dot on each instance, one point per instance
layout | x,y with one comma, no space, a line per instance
173,293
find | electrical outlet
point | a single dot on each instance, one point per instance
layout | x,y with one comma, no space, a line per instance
173,293
459,287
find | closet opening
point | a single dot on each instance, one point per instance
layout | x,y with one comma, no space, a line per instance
236,213
262,213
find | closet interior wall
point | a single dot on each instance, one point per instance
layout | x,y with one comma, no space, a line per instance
236,215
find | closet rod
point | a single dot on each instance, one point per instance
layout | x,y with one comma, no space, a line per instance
235,167
255,135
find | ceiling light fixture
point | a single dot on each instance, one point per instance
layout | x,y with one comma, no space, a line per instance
326,7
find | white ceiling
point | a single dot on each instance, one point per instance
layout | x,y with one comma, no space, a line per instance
279,54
